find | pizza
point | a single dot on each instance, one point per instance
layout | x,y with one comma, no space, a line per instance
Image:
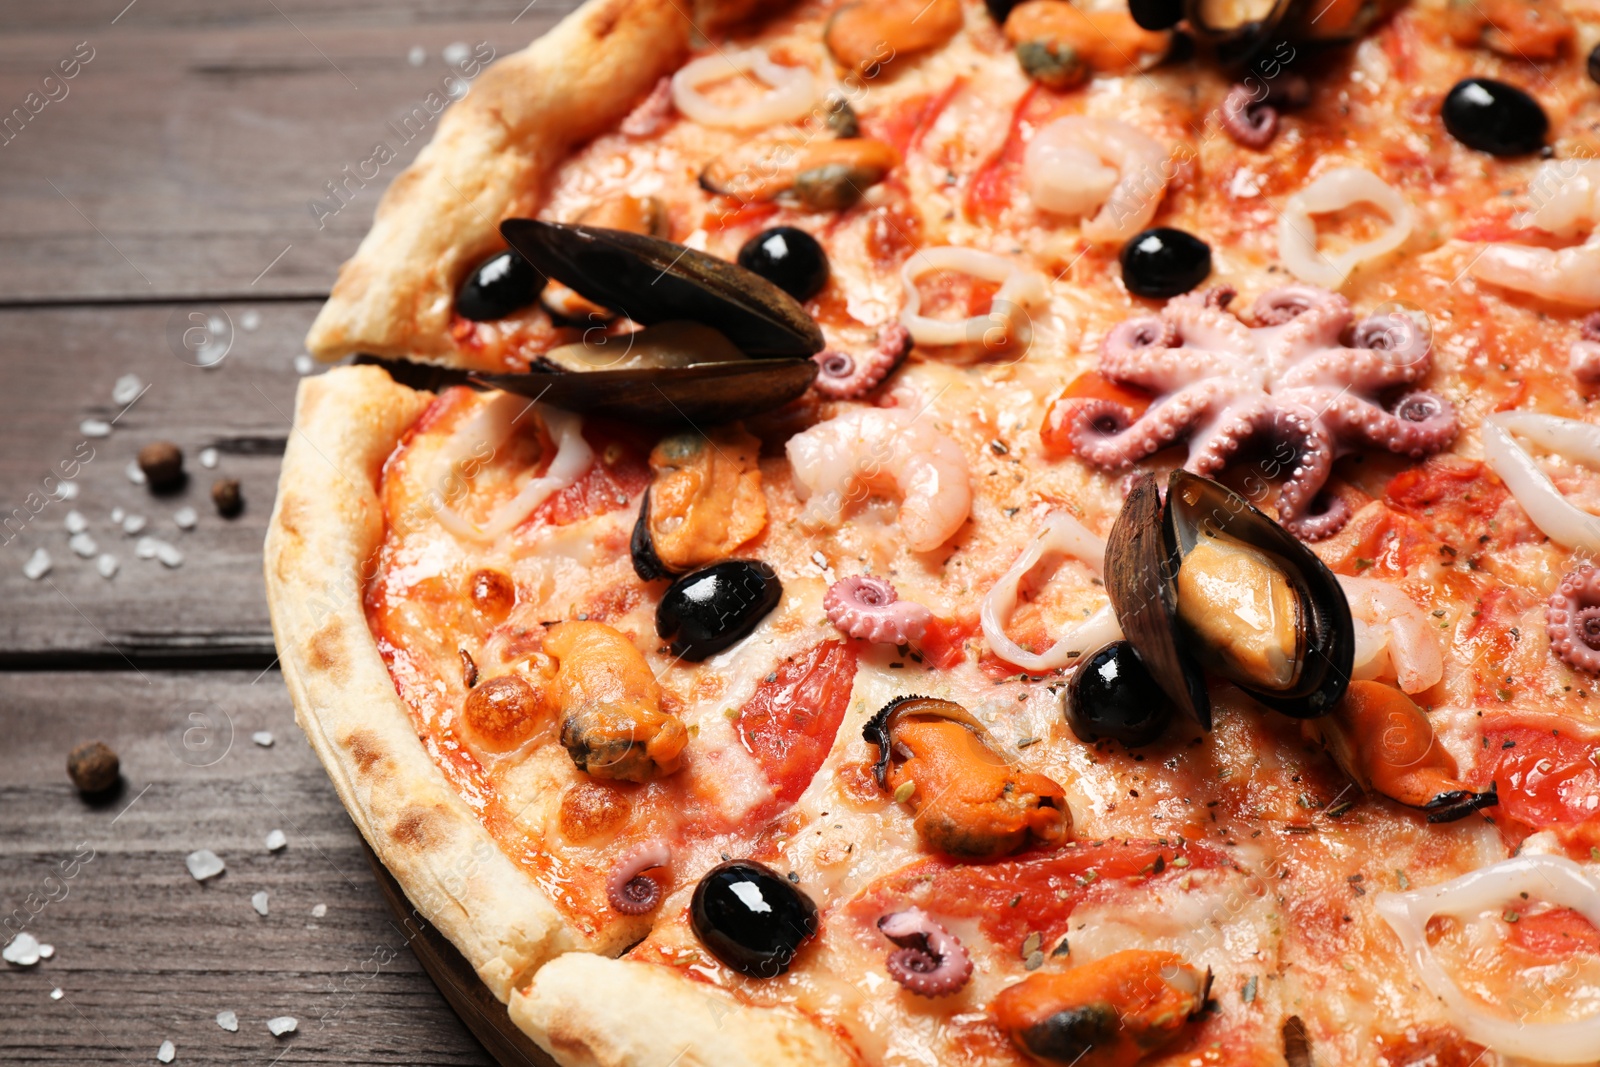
982,533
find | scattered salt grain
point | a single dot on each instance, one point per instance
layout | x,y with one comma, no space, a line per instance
228,1021
155,548
186,517
38,565
135,475
133,524
117,515
250,321
67,491
276,839
304,364
167,1052
456,53
263,738
83,545
94,428
146,548
46,951
417,56
208,458
75,522
127,389
258,901
283,1024
107,565
56,994
23,950
203,864
319,911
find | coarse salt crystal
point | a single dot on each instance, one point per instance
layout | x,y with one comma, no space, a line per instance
135,475
66,491
155,548
319,911
417,56
263,738
204,864
166,1053
304,364
56,994
283,1024
127,389
133,524
23,950
38,565
75,522
250,321
107,565
228,1021
117,515
456,53
46,951
83,545
145,548
276,839
208,458
258,901
186,517
94,428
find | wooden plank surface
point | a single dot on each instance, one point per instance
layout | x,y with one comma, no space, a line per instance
144,953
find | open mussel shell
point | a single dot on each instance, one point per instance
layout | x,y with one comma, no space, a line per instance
673,396
1233,592
1140,580
1238,30
651,280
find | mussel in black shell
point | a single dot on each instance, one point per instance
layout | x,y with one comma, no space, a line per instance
1239,31
1206,582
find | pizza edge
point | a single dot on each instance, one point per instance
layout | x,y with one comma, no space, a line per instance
522,118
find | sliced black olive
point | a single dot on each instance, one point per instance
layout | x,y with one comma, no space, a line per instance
1164,262
1156,14
789,258
704,612
1494,117
1112,695
502,284
751,917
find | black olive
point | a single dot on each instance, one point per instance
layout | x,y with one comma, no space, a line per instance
704,612
502,284
1112,695
789,258
751,917
1494,117
1594,64
1156,14
1164,262
999,10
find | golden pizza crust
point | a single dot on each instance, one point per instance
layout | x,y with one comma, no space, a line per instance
327,525
494,149
590,1011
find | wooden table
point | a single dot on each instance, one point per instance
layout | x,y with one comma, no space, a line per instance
167,187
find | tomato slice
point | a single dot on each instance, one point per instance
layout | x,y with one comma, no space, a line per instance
1555,934
790,722
1545,779
943,644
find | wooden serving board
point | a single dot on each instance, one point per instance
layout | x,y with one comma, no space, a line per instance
484,1015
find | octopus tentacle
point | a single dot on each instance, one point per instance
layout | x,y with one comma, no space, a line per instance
1422,422
869,609
1166,369
628,889
1203,323
1572,618
1103,434
1237,423
843,376
1584,359
1250,121
1314,462
930,961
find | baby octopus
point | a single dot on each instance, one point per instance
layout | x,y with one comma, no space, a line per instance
1573,620
1219,382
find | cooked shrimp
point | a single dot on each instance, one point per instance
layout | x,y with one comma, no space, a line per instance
1393,636
841,459
1566,196
1076,164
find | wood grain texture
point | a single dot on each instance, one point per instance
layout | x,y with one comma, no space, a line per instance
184,157
143,952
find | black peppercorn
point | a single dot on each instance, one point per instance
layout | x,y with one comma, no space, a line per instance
93,767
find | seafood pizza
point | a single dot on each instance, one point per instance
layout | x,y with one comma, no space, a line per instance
982,533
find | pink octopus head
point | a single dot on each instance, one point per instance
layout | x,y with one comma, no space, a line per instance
868,608
1572,619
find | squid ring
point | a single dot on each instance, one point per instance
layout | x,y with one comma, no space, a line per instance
1020,287
1334,191
793,90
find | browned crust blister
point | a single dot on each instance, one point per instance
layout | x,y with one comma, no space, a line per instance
494,150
